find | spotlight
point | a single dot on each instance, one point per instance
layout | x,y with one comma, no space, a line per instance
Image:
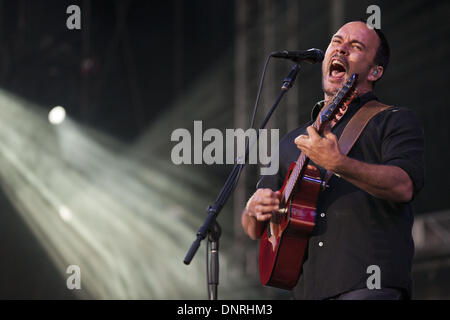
57,115
65,213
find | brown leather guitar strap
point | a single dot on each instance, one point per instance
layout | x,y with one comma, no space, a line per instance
355,127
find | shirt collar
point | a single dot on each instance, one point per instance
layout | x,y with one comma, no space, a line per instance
358,102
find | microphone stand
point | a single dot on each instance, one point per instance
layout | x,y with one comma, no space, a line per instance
210,226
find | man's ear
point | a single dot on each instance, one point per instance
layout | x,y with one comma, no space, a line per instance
375,73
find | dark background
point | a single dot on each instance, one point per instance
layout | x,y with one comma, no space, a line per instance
43,62
134,60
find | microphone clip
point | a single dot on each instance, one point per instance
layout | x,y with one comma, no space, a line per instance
288,82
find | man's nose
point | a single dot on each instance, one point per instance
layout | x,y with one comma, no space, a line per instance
342,49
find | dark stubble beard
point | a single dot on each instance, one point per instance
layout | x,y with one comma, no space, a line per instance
329,93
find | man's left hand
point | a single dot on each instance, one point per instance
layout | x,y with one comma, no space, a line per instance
324,151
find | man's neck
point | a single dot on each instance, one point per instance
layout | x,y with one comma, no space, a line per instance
361,91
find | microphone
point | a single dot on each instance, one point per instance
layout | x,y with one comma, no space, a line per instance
311,55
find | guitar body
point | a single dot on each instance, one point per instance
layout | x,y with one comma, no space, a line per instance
284,241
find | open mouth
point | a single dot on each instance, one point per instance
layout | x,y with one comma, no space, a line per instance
337,69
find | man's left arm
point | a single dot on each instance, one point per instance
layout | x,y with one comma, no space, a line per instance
390,181
381,181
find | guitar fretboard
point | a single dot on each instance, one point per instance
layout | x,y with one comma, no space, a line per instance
298,170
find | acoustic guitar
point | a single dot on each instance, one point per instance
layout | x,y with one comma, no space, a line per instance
284,240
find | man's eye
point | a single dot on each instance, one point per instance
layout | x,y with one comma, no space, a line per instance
357,47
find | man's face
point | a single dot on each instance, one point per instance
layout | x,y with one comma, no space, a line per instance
351,50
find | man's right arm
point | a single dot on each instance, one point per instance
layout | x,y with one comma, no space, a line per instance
258,211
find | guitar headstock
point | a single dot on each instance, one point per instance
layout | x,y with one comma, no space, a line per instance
341,100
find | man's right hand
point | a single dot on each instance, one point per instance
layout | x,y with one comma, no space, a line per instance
263,203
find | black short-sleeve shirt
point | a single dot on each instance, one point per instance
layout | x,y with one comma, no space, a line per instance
355,231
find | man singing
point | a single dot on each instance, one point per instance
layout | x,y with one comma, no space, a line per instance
364,218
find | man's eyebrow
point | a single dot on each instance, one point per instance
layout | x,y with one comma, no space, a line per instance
353,41
359,42
337,36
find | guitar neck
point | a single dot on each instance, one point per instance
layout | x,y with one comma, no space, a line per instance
300,165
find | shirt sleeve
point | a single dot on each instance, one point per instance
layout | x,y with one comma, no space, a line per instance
273,182
288,152
403,145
